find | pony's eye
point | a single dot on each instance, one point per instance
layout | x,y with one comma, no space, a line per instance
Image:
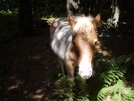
73,43
96,42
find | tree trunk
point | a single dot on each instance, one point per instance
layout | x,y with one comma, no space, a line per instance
73,7
116,16
25,18
35,4
112,22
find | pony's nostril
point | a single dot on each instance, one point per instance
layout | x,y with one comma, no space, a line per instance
90,74
80,72
85,77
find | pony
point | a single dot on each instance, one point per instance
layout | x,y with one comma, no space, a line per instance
73,40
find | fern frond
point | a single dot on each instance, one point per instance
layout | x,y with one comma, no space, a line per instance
106,85
115,93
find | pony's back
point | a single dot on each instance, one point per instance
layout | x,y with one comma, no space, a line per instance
60,32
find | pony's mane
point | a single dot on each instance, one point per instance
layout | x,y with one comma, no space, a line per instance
82,22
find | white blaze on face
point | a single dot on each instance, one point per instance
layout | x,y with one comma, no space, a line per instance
85,67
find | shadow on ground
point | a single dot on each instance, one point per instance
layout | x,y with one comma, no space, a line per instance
25,65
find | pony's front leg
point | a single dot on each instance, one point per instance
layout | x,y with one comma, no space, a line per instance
61,65
70,71
70,76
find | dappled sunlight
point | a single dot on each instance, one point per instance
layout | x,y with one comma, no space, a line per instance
39,96
99,49
12,77
32,95
35,57
25,92
13,87
16,84
38,91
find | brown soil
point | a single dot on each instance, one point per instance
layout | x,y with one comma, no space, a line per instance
34,54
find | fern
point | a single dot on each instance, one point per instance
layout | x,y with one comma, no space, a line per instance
113,87
116,92
53,71
80,89
63,89
106,85
78,92
111,76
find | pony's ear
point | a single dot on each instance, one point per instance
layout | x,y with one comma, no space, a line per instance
71,21
97,20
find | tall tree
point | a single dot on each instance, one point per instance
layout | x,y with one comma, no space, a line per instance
25,18
115,14
73,7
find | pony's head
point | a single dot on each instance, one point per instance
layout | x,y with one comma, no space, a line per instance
84,37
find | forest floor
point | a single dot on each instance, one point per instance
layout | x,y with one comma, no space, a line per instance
26,65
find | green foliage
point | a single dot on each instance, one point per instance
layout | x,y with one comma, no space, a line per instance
107,85
80,89
112,78
8,26
63,88
117,92
54,72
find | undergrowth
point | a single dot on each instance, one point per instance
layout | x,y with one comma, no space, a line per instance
110,82
8,26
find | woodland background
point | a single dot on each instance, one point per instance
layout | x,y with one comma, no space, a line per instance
28,66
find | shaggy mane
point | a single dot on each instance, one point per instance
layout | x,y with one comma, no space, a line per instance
83,23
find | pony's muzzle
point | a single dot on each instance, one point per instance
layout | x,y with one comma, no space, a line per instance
85,71
85,75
